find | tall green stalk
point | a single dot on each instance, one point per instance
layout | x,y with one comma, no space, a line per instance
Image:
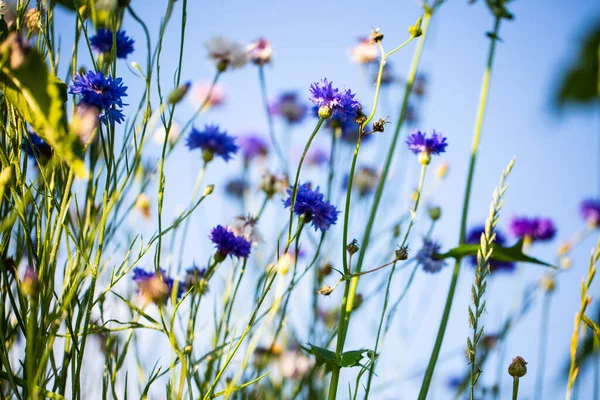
463,224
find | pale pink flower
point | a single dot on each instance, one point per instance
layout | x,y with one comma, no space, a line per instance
364,52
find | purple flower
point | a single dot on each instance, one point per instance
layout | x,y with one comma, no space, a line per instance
155,287
426,256
228,244
253,146
288,107
102,92
340,102
312,205
193,276
316,157
212,141
418,142
38,147
535,229
474,237
590,211
102,42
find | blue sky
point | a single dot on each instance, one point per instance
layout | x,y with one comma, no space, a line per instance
556,155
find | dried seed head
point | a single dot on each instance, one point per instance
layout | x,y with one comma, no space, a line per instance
325,270
379,125
376,36
401,253
326,290
352,247
360,117
518,367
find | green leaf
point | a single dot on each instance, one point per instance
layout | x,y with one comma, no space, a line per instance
329,358
39,98
592,325
505,254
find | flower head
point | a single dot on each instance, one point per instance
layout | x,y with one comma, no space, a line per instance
236,187
226,53
253,146
426,256
174,132
534,229
202,92
245,226
105,93
338,102
30,284
418,142
316,157
228,244
271,184
154,287
102,42
590,211
311,204
365,181
260,51
289,107
38,147
193,276
364,52
474,237
212,142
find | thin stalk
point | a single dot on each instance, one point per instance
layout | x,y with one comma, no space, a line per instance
515,394
543,344
265,99
463,225
350,290
295,187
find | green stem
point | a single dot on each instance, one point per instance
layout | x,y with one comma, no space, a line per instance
265,99
295,187
350,290
515,394
539,384
463,225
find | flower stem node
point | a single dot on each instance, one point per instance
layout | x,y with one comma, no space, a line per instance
415,30
352,247
179,93
518,367
325,112
424,158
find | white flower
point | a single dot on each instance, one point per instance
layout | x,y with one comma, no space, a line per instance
364,52
246,227
221,50
174,132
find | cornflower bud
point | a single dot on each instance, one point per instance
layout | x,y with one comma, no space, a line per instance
518,367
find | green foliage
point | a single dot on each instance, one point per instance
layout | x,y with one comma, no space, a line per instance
40,98
505,254
348,359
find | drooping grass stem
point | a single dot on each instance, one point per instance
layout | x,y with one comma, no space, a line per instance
463,224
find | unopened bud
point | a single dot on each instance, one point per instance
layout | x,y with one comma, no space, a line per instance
30,285
518,367
548,283
179,93
208,189
415,30
434,213
441,170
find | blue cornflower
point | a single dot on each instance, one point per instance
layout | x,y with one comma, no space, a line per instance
289,107
155,287
332,101
105,93
253,146
311,204
426,256
474,237
102,42
38,147
228,244
590,211
420,144
212,141
193,276
533,229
